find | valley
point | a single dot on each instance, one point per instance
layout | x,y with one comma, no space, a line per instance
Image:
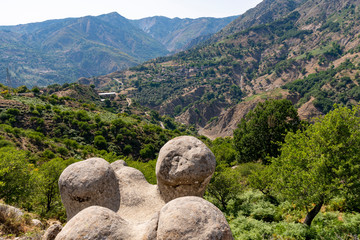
252,61
273,94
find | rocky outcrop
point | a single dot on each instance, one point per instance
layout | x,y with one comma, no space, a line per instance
140,200
96,223
139,210
10,211
91,192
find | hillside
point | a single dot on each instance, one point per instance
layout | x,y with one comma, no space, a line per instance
176,34
49,119
60,51
290,40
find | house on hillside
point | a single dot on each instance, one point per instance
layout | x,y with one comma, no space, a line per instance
107,95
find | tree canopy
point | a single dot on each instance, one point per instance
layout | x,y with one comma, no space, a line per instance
258,135
321,162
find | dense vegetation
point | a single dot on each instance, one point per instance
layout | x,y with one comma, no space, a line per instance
307,191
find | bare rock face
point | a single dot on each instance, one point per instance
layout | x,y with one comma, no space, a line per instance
88,183
184,168
192,218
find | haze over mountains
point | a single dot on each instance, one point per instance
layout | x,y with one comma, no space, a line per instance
176,34
59,51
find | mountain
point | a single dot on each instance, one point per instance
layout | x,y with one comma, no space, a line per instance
176,33
306,51
59,51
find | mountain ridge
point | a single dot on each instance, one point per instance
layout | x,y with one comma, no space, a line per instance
301,40
176,33
63,50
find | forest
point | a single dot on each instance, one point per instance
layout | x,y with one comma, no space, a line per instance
277,178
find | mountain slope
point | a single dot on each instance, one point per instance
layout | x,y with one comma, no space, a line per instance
294,40
177,33
59,51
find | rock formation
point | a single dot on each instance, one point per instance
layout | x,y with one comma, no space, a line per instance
115,201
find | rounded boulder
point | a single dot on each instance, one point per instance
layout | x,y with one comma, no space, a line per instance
188,218
184,168
89,183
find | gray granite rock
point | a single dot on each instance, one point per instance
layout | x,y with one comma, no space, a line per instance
10,211
192,218
99,223
139,199
88,183
36,223
184,168
91,192
52,232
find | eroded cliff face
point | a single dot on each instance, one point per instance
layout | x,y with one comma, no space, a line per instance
228,121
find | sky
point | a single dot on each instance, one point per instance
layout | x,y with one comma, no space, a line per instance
13,12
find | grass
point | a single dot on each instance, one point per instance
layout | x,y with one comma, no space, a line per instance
278,92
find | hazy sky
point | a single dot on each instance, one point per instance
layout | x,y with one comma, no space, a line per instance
14,12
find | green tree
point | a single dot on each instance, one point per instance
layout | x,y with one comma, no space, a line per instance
225,185
224,151
48,178
259,133
15,174
35,90
148,152
321,162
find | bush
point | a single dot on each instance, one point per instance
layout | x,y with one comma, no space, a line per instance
100,142
148,152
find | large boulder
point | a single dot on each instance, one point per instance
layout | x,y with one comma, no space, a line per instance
88,183
99,223
184,168
192,218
